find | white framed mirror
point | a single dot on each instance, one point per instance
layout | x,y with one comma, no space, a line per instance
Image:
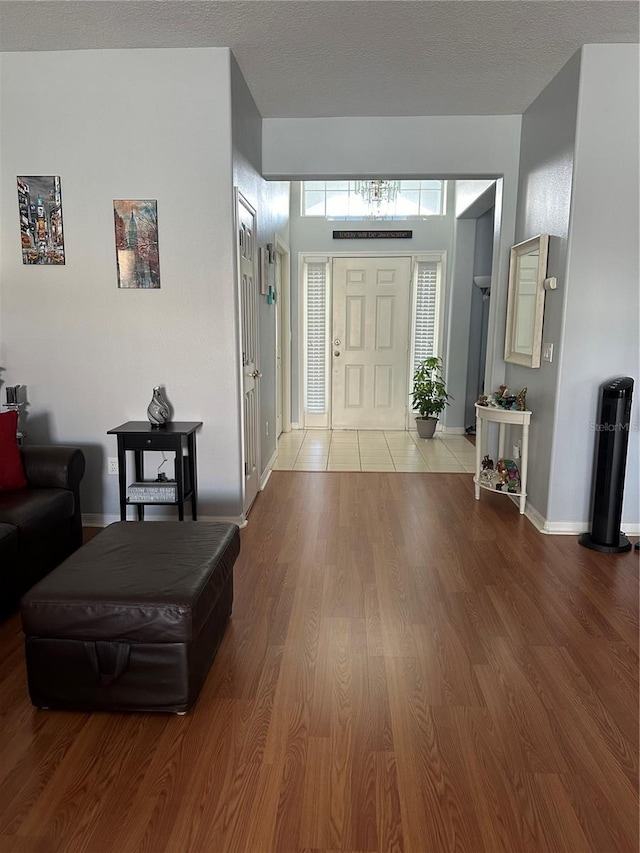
525,301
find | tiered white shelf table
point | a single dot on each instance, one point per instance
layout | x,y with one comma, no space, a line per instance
503,417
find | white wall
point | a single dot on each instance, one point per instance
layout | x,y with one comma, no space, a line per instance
468,192
129,124
423,147
544,204
271,202
600,333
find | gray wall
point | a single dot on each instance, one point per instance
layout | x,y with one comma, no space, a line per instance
600,337
544,200
482,263
124,124
436,146
579,183
271,201
457,313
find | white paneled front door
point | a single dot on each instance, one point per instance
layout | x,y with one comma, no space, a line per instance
370,342
246,225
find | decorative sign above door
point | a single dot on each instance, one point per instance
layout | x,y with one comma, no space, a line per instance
372,235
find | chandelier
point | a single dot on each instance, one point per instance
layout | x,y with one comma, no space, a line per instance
377,193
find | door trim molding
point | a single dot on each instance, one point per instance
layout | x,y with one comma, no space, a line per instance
437,255
240,198
285,332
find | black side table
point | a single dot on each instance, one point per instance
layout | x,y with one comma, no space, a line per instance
139,436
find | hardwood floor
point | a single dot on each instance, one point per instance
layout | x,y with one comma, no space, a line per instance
406,669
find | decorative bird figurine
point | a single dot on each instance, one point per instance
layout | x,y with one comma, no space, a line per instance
158,409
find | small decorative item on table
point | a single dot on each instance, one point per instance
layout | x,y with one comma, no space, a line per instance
503,398
15,404
521,400
158,411
509,476
487,474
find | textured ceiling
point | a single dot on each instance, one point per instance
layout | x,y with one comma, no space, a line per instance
346,57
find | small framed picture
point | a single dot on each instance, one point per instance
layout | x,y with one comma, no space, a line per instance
136,229
40,206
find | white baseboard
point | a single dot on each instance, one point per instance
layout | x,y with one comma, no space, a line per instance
534,517
295,426
453,430
569,528
264,479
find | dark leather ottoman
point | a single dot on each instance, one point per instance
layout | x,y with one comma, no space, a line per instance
133,620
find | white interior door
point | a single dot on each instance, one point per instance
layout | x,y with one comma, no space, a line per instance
370,342
246,221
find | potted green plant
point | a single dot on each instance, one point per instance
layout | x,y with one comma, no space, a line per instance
429,396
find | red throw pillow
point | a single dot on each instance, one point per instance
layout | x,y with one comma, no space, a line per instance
11,470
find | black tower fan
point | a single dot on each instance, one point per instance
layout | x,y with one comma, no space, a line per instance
611,456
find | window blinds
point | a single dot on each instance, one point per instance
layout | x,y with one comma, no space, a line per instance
316,337
426,320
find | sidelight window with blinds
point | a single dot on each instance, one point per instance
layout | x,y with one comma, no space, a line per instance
427,285
427,314
317,331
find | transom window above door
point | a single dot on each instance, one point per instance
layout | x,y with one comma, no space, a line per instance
342,200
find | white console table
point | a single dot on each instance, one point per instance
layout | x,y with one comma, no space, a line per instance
503,417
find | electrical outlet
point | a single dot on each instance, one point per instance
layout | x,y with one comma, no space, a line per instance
112,465
267,427
515,451
547,352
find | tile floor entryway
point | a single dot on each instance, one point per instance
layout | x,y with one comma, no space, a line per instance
372,450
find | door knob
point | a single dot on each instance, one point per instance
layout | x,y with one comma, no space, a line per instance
256,374
336,353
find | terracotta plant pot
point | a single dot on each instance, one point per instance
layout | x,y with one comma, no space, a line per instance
426,427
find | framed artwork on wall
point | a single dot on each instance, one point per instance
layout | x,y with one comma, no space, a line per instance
136,229
40,211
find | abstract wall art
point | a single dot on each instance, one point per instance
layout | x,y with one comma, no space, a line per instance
40,210
136,226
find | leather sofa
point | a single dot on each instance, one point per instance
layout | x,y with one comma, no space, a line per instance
40,526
